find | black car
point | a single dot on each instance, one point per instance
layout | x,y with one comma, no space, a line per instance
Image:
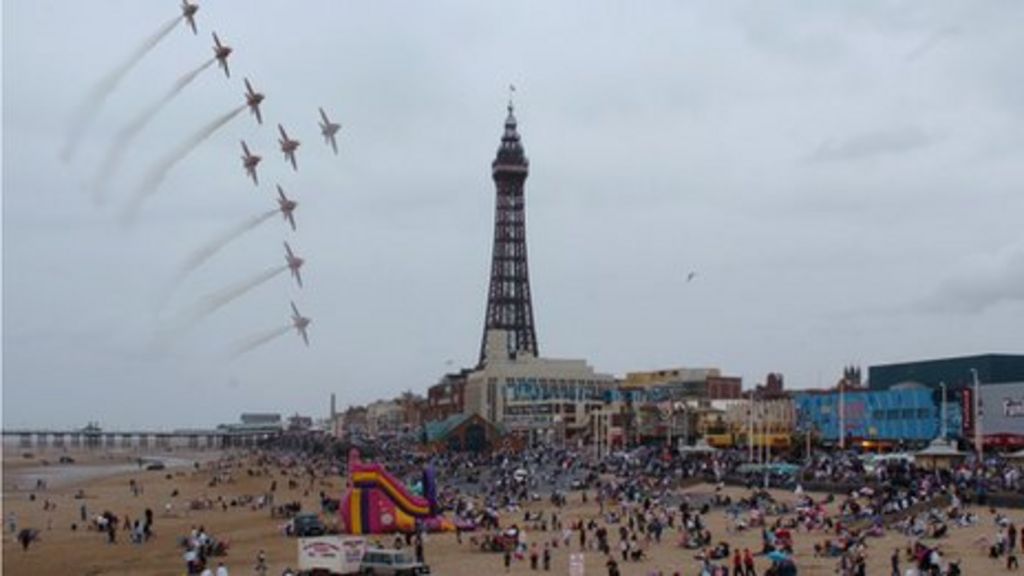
307,524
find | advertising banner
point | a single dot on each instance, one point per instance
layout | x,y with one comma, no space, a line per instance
1002,409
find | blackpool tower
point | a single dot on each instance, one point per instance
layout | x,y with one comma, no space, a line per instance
509,307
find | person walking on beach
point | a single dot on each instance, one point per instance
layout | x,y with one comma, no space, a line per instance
222,570
261,563
895,561
508,558
748,563
147,527
547,558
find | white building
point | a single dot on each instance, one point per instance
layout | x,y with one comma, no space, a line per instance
384,417
546,399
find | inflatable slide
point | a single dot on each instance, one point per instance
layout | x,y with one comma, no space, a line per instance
378,503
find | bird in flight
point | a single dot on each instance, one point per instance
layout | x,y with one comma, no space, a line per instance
691,276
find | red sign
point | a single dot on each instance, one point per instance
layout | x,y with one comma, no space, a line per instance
967,409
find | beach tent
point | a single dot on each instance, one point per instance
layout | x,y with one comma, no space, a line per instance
939,455
700,447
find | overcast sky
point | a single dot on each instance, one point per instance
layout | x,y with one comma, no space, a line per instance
845,179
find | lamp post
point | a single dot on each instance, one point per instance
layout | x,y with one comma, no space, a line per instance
942,413
842,415
750,428
978,446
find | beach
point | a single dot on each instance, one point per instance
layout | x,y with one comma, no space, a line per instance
61,550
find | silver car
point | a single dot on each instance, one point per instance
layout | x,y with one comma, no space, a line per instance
385,562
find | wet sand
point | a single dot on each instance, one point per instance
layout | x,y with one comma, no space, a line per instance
62,551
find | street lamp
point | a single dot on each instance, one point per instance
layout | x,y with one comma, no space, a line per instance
942,413
978,446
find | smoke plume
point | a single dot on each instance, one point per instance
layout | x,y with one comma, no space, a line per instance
87,110
130,130
204,253
156,175
213,302
258,340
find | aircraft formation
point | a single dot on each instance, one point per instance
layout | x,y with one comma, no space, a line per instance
250,162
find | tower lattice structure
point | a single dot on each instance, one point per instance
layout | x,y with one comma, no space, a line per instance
509,306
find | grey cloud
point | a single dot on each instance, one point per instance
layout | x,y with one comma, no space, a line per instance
876,143
931,41
984,283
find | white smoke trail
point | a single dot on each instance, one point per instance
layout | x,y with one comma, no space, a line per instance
203,253
132,129
87,110
156,175
258,340
213,302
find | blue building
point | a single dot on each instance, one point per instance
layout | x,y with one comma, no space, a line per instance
907,415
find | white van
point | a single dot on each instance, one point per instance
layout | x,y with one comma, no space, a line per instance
331,555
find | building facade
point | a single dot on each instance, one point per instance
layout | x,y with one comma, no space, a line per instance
447,397
901,415
546,399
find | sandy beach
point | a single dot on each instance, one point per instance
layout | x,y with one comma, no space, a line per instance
63,551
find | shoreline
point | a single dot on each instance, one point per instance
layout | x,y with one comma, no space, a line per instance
21,478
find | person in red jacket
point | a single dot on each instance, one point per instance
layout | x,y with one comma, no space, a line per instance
737,563
748,563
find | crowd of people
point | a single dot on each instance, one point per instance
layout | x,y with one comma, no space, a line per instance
523,505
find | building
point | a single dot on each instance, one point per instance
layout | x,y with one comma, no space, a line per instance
384,418
770,421
447,397
1002,415
724,387
297,423
544,399
269,419
461,433
668,376
681,384
352,423
908,415
955,372
413,407
254,424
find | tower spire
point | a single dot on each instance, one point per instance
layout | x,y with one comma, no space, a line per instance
509,304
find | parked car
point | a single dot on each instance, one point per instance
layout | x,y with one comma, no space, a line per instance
385,562
307,524
155,465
